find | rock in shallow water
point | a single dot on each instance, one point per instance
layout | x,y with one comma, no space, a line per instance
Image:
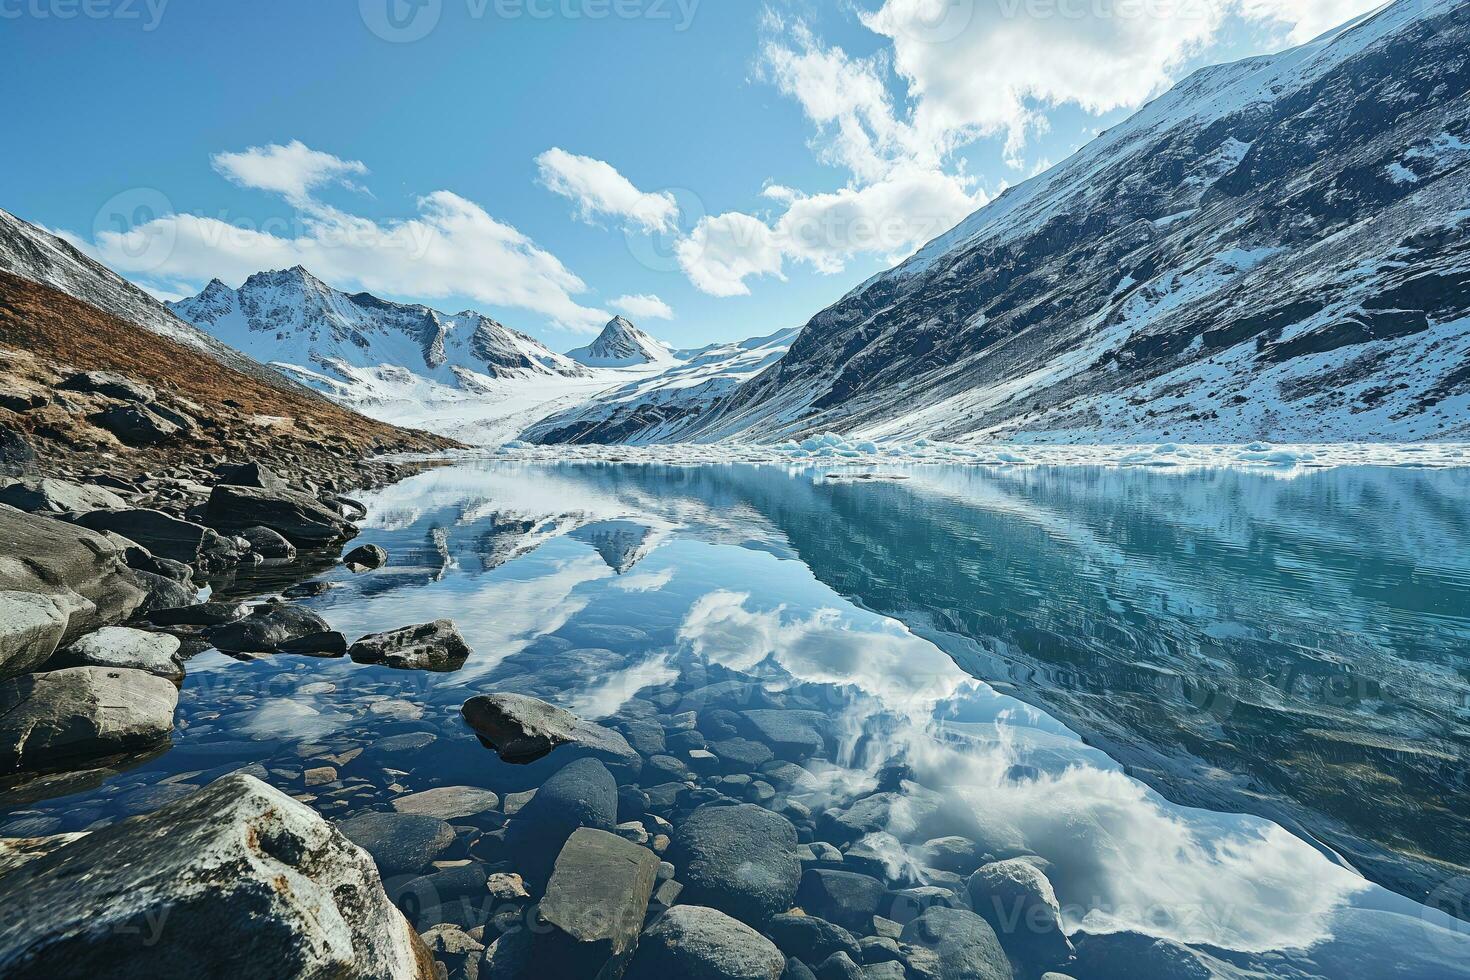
594,905
300,519
963,944
522,729
235,880
449,802
435,646
695,943
738,859
1019,903
399,843
272,628
119,646
580,794
365,558
65,717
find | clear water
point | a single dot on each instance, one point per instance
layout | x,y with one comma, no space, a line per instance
1144,678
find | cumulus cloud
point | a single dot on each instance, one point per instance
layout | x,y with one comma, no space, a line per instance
451,247
598,189
644,305
292,170
726,249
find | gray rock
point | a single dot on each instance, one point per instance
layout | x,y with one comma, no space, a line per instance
400,843
31,626
580,794
887,970
811,939
1019,903
958,855
797,970
522,729
163,535
694,943
848,899
435,646
268,629
251,474
594,905
64,717
135,425
44,495
199,614
913,807
17,458
119,646
738,859
85,572
269,544
110,385
303,520
235,880
163,593
792,735
964,944
365,558
839,966
16,851
741,754
449,802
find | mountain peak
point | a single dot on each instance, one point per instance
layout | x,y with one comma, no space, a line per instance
621,344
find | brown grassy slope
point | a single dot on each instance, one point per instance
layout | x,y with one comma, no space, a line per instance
66,332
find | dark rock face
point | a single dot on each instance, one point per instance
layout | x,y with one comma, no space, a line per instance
236,880
303,520
844,897
271,628
1020,905
523,729
580,794
199,614
269,544
17,458
64,717
704,944
83,571
594,903
435,646
163,535
365,558
250,474
738,859
811,939
111,385
400,843
792,735
136,425
966,946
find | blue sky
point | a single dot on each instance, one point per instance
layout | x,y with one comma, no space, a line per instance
717,169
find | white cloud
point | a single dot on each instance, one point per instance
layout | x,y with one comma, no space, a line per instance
644,305
599,189
293,170
724,250
1307,18
451,247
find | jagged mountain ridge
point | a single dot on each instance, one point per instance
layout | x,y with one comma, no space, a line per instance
1277,248
290,317
621,344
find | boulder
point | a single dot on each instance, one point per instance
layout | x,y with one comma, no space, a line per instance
905,813
400,843
449,802
199,614
268,629
792,735
958,855
695,943
31,627
110,385
121,647
46,496
163,535
17,458
251,474
594,906
435,646
580,794
303,520
365,558
135,425
811,939
1019,903
738,859
522,729
844,897
963,944
235,880
163,593
839,966
85,572
64,717
269,544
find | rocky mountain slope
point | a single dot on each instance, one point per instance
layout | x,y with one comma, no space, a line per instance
1276,249
622,345
292,319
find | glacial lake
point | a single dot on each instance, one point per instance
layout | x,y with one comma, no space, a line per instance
1201,699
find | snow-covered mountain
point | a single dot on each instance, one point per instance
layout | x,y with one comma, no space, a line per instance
622,345
290,317
646,410
1275,249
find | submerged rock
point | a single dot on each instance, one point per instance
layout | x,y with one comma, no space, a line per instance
738,859
695,943
594,905
522,729
365,558
811,939
301,519
199,614
64,717
435,646
449,802
399,843
235,880
580,794
119,646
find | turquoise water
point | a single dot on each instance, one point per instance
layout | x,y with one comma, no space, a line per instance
1227,709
